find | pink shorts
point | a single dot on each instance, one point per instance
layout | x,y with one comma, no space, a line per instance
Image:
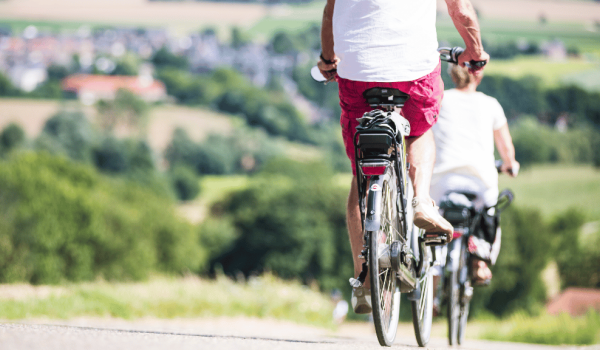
420,110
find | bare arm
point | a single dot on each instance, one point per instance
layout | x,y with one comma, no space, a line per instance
327,40
465,20
506,149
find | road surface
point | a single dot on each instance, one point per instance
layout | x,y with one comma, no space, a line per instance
221,333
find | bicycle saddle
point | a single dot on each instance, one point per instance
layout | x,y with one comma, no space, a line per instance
380,96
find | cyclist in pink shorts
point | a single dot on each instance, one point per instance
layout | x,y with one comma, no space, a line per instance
393,43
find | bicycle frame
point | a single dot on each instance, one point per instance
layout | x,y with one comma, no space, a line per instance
371,221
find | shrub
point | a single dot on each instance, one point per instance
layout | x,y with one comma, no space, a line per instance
122,156
526,249
63,221
243,151
538,143
578,252
291,220
217,235
164,58
185,183
11,137
68,133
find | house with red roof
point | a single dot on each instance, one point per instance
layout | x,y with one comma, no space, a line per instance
90,88
575,301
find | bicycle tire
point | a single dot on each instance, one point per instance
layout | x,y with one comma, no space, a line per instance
385,293
422,309
464,306
453,303
464,315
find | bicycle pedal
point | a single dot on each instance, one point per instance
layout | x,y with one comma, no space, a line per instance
435,238
354,282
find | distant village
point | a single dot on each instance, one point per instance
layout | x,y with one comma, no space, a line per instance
92,55
25,57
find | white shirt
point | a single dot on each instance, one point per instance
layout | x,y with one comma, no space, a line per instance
464,135
385,40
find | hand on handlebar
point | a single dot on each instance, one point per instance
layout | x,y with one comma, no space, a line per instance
511,168
470,55
328,70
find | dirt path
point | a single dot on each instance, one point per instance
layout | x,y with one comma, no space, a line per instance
220,333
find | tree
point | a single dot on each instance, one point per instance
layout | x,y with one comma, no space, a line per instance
11,137
290,220
126,108
164,58
238,39
6,86
527,243
128,65
283,43
57,72
69,133
185,183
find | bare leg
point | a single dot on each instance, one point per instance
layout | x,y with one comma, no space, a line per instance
355,230
421,156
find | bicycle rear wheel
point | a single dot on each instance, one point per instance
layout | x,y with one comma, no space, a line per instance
464,315
385,293
422,309
465,301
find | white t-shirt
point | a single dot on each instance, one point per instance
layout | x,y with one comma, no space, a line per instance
464,135
385,40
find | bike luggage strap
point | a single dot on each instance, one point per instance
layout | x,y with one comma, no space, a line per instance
389,121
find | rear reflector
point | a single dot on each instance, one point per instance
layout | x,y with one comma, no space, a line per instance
457,234
373,170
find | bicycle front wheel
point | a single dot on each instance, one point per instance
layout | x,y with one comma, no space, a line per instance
453,308
422,309
385,293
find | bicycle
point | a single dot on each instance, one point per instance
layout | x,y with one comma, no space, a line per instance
398,254
456,283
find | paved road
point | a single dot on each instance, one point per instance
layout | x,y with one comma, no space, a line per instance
219,334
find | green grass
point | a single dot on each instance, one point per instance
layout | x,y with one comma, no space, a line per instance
498,31
164,297
214,188
589,79
18,25
546,329
549,188
554,188
552,73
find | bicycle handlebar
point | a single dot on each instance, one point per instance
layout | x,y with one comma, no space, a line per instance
447,54
450,55
511,171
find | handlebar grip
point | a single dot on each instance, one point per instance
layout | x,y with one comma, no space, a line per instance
478,64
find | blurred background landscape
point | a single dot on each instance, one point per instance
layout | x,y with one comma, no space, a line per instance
175,159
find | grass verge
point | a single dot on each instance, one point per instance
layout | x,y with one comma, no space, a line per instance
164,297
555,188
546,329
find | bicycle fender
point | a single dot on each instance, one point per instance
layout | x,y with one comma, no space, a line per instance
373,217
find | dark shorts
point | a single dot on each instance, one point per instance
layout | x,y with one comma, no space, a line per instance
420,110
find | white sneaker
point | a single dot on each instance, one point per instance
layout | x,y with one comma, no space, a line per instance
428,217
361,300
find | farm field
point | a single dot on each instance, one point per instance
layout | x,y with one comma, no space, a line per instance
554,188
549,188
551,73
572,21
178,16
32,114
